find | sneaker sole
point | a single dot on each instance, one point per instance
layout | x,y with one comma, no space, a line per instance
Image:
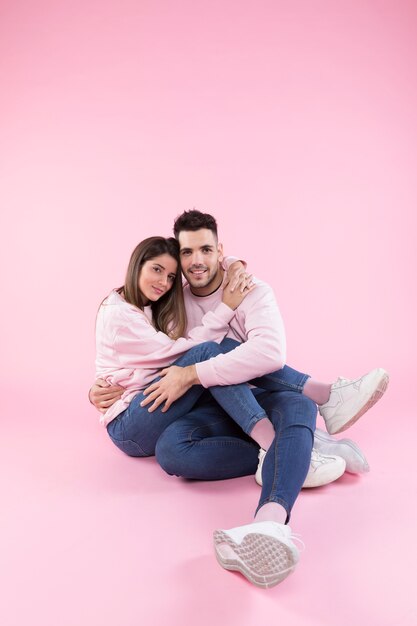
382,385
327,439
263,560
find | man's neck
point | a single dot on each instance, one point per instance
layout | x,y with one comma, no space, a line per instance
211,287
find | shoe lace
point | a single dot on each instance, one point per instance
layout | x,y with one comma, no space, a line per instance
315,455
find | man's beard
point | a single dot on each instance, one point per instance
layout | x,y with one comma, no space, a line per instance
202,283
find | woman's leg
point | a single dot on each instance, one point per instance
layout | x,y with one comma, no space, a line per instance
340,403
285,379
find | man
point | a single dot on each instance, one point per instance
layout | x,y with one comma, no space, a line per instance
207,444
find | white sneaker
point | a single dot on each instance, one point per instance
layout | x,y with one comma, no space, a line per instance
356,462
349,399
324,469
263,551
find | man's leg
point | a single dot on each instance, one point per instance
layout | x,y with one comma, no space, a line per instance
206,444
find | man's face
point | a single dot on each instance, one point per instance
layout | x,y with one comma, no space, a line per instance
200,256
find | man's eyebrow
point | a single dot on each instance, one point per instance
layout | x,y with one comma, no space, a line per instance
205,245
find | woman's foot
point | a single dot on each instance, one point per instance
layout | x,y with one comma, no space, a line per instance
350,399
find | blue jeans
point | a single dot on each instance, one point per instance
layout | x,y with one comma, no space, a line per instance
207,445
136,431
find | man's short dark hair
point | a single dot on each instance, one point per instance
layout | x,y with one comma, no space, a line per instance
195,220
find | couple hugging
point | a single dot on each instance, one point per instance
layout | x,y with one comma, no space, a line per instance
173,365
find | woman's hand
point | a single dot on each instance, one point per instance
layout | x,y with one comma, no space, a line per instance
234,297
236,271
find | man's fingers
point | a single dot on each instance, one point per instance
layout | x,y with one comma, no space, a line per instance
167,405
151,397
156,404
100,382
150,389
147,400
105,404
109,396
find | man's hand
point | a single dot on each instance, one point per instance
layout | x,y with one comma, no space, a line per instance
237,277
174,383
103,395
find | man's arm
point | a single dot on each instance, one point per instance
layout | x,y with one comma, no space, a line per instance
263,352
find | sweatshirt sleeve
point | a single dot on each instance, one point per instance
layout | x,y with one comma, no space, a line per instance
139,345
229,260
263,352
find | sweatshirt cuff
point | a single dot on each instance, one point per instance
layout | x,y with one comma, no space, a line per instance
206,373
224,313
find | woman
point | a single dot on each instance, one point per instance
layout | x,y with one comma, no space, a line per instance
139,331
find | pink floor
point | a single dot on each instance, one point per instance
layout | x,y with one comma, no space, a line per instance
90,536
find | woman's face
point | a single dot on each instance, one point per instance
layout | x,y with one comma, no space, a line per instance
157,277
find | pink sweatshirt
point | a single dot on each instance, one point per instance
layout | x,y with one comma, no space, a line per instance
130,352
257,323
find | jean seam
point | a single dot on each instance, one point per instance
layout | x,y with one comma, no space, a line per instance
277,500
276,446
254,420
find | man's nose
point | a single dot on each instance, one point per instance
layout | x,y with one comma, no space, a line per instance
197,258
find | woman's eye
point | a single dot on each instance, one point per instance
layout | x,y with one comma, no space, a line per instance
157,269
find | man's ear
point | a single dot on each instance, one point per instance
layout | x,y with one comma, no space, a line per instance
220,251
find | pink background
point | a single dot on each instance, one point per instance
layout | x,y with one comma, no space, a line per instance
295,124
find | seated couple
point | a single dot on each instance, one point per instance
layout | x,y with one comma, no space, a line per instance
172,368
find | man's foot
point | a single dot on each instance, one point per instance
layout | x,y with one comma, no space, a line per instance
263,552
349,399
356,462
324,469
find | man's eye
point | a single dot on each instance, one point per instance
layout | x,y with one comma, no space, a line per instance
185,253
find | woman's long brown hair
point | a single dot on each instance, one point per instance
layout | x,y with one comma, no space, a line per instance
168,312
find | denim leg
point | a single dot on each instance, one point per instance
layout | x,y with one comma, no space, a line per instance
206,444
136,431
285,379
287,461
